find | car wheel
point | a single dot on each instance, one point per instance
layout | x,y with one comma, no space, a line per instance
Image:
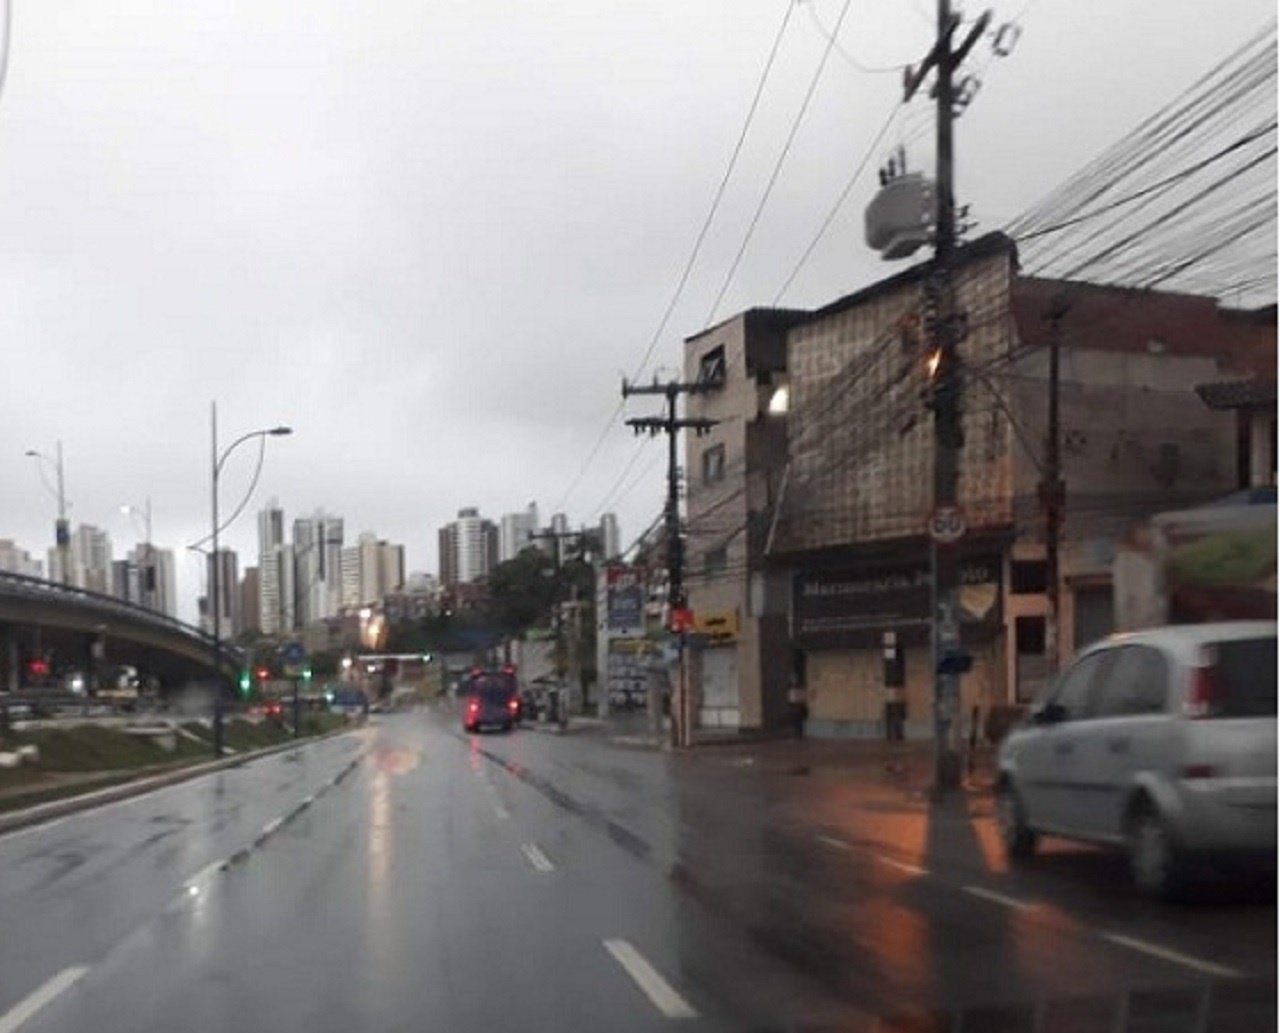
1011,816
1153,858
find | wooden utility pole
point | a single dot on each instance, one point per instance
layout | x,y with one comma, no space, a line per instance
945,326
671,424
1053,490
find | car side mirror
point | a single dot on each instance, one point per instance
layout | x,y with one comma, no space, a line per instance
1050,713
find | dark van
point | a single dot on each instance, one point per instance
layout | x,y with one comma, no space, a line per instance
492,700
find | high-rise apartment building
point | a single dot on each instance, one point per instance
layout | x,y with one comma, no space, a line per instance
275,573
317,545
372,569
146,576
89,558
250,601
515,531
15,560
126,581
228,596
468,548
276,591
610,536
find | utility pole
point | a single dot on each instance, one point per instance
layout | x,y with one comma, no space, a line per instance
1053,490
62,531
671,425
214,599
946,328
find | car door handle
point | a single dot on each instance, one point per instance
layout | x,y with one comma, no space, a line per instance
1118,745
1063,748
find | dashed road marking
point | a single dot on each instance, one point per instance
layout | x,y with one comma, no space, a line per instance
1177,957
537,858
831,841
26,1008
205,873
902,866
999,898
661,993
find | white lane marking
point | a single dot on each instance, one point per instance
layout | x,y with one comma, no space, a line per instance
501,812
649,979
307,801
999,898
537,858
145,797
835,844
1176,957
205,874
26,1008
910,869
271,827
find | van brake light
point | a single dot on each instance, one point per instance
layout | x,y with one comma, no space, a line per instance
1205,694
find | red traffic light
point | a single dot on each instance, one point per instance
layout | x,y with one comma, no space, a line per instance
39,668
263,674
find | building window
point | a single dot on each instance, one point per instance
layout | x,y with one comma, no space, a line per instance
1028,577
711,371
713,464
714,561
1032,664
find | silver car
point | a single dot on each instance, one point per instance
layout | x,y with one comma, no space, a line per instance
1162,742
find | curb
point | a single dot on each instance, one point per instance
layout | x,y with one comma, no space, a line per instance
87,801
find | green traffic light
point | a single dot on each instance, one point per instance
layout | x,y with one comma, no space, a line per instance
306,674
245,683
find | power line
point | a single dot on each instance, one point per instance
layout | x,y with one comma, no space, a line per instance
843,52
835,208
611,422
777,167
720,190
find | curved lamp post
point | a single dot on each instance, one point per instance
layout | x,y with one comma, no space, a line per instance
219,460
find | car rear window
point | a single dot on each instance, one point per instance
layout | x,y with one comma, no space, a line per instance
1245,673
494,688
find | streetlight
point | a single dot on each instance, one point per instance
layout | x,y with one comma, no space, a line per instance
148,587
61,531
218,460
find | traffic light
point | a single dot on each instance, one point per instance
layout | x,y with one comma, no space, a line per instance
263,674
246,683
306,674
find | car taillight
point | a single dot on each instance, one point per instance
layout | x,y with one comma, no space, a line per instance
513,704
1204,694
473,706
1199,771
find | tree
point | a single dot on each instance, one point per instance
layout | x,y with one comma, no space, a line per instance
522,591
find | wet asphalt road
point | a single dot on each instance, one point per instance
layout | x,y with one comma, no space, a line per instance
407,877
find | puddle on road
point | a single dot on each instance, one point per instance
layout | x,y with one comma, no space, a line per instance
396,761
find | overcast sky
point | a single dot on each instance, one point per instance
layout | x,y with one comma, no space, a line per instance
431,236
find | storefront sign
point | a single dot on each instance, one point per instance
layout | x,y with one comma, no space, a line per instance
720,625
853,608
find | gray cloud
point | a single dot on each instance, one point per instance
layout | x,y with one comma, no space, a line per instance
431,236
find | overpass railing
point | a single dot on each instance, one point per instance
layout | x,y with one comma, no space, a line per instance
36,588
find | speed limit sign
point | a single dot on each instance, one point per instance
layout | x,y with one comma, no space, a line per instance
947,525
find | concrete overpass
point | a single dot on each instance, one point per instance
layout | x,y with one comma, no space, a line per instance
91,632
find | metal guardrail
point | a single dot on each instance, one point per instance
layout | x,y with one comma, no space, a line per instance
23,586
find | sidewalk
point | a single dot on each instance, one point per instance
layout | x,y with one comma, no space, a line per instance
910,763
